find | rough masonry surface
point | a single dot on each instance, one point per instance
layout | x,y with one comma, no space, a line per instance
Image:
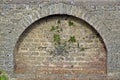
103,16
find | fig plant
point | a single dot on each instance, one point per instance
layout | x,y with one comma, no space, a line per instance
62,47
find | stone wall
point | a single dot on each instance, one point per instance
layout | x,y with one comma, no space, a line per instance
16,16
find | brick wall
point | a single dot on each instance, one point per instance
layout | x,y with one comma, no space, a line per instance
38,53
18,15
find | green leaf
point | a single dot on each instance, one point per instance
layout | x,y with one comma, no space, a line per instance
3,77
57,27
72,39
56,38
70,23
52,28
58,21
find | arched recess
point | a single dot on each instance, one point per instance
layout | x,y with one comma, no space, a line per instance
68,9
86,53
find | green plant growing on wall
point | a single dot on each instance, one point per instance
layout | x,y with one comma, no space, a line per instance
58,21
3,75
57,38
70,23
62,47
72,39
52,28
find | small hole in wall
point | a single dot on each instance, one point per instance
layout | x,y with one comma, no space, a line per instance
9,31
72,66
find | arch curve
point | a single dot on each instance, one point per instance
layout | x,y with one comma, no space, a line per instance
64,9
56,15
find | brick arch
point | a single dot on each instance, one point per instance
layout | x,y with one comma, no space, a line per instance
68,9
48,17
74,11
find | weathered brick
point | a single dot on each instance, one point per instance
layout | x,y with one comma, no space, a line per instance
20,19
39,54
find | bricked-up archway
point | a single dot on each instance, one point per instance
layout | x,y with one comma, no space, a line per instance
81,49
